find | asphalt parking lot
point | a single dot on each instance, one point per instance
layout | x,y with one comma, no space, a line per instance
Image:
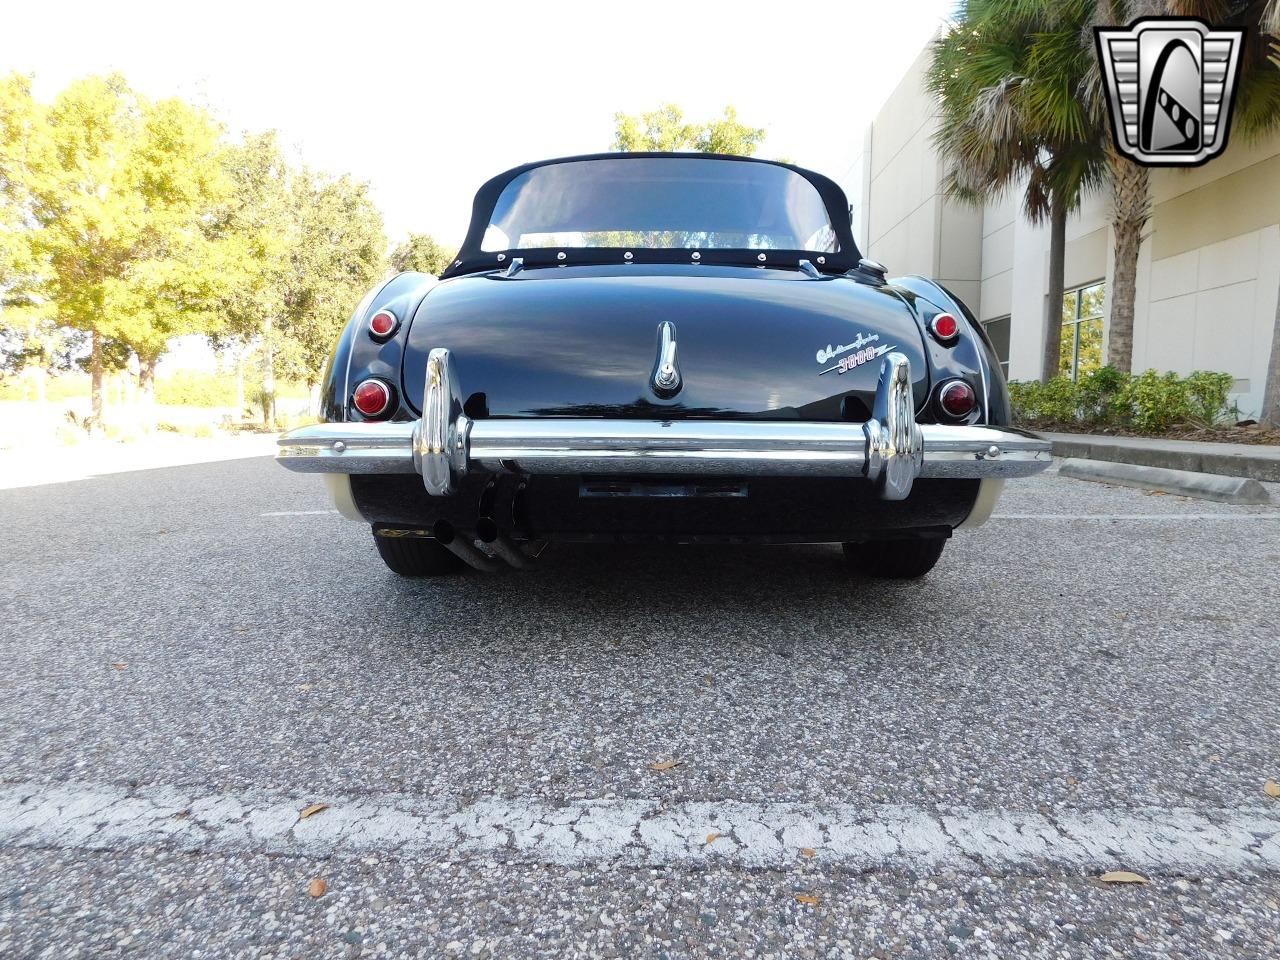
193,655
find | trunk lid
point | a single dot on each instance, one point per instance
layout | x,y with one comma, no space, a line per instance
583,341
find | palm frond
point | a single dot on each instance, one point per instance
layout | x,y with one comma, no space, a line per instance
1270,18
1007,79
1257,109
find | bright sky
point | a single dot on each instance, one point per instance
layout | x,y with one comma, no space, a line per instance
427,100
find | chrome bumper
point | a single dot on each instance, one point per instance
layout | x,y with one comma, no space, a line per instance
890,449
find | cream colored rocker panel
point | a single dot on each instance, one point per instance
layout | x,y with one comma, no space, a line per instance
989,491
339,487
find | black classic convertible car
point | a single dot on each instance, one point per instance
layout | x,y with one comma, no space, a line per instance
662,346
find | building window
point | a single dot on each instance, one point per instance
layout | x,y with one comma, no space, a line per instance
1081,331
998,331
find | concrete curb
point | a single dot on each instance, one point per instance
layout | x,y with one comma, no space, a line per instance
1203,486
1260,462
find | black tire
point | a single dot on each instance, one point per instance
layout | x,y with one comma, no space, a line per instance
416,556
894,559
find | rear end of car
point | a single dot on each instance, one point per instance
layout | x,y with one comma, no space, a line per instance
635,388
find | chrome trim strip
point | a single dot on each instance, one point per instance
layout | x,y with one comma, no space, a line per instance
781,449
890,449
348,448
956,451
706,447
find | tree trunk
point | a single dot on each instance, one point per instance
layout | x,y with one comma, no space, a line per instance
147,385
95,383
1124,280
239,386
268,376
1053,305
147,379
1131,208
1270,413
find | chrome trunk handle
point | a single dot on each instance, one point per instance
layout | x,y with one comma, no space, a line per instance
666,371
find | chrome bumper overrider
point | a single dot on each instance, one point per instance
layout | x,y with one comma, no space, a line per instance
890,449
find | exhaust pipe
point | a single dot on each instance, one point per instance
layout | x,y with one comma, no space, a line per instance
448,538
502,545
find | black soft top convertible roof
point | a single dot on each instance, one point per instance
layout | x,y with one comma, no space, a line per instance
472,258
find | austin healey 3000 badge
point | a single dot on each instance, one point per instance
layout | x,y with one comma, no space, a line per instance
863,353
1169,83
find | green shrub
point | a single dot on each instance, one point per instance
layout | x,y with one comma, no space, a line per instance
1055,401
1158,401
191,388
1100,395
1108,397
194,388
1207,392
1022,398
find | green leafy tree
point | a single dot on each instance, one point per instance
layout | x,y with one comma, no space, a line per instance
173,284
423,253
1006,78
665,129
114,194
337,255
256,232
19,124
29,340
299,248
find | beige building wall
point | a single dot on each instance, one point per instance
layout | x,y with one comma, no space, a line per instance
1208,286
855,180
1209,277
911,226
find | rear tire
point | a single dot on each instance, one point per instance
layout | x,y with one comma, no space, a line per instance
894,559
416,556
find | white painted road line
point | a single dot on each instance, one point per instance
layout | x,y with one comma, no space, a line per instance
300,513
644,832
1154,517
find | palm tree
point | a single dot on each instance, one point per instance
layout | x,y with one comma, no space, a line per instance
1021,97
1271,394
1257,113
1007,79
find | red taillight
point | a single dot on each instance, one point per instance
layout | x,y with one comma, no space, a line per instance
372,398
957,399
945,327
383,324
